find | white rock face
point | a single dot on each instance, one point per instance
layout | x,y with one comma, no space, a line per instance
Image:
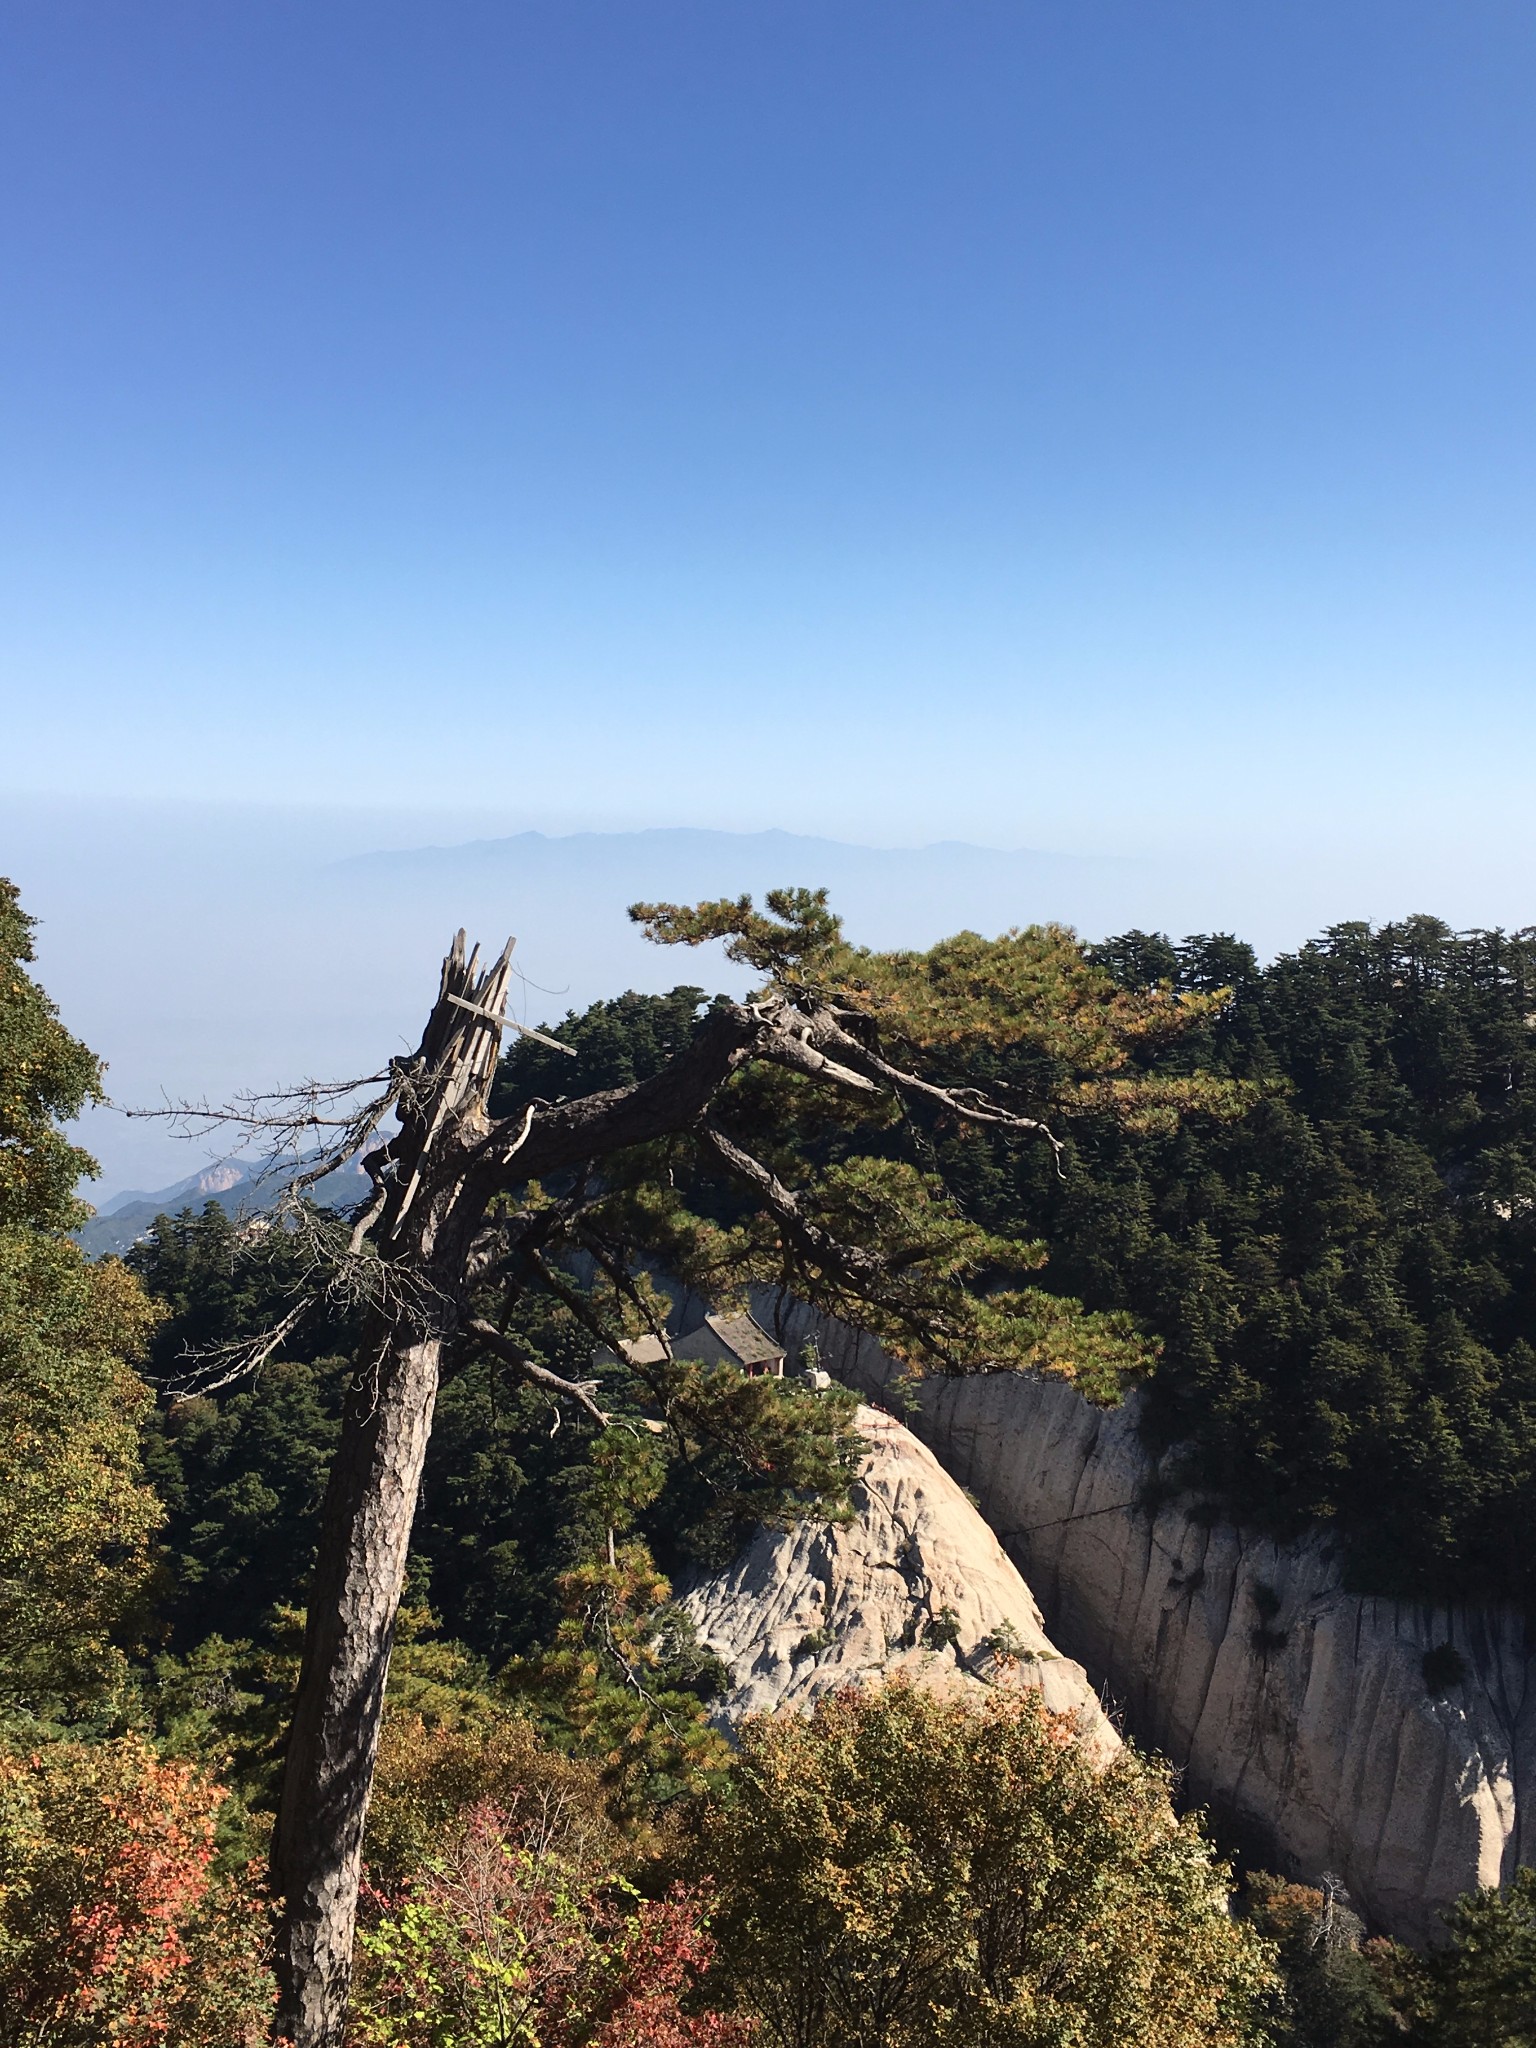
915,1583
1298,1713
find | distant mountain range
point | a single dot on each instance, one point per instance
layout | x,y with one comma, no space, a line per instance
567,899
902,895
202,956
241,1189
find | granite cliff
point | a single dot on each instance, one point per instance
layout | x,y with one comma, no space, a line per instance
915,1582
1390,1743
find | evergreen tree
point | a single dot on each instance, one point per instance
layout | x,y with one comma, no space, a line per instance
46,1077
74,1540
1481,1985
797,1101
1344,1278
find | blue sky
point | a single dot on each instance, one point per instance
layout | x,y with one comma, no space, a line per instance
1096,426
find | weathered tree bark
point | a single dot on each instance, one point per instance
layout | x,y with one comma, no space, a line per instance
317,1850
423,1228
433,1182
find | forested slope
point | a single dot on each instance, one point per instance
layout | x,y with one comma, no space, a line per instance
1343,1279
1339,1268
1306,1210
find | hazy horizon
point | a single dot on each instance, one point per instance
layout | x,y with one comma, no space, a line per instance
201,949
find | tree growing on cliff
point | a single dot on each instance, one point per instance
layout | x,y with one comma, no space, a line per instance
1334,1989
808,1104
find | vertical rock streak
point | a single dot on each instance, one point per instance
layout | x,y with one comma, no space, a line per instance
1297,1712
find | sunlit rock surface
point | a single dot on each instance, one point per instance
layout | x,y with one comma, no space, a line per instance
915,1583
1299,1713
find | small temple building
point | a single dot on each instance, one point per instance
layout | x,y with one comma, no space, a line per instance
738,1340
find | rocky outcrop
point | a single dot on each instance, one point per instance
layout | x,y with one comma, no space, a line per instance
1301,1715
915,1582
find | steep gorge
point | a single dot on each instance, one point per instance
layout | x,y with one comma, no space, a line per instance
1301,1715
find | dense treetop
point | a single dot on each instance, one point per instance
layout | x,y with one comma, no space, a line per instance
46,1077
813,1166
923,1872
1331,1253
75,1536
1343,1279
1308,1190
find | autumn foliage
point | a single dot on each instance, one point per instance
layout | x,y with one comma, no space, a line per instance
895,1870
116,1926
900,1869
500,1941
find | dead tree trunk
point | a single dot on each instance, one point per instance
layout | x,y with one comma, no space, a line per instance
433,1183
422,1221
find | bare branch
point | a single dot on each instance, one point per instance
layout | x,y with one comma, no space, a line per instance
793,1049
859,1268
579,1391
570,1133
282,1117
374,1165
572,1301
211,1370
968,1103
511,1024
495,1250
623,1282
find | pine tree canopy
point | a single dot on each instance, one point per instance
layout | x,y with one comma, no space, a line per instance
46,1077
812,1167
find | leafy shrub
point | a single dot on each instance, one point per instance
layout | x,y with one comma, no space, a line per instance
943,1630
428,1778
115,1924
812,1643
1335,1991
74,1539
900,1870
498,1942
1007,1645
1477,1989
623,1680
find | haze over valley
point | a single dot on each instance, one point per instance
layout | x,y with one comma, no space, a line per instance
212,948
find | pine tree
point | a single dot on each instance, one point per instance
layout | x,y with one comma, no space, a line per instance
813,1105
74,1539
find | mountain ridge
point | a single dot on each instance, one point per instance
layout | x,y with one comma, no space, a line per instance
126,1219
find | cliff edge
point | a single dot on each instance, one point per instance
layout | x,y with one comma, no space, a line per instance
914,1583
1390,1742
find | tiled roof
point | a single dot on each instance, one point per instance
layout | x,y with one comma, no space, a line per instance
646,1350
747,1338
